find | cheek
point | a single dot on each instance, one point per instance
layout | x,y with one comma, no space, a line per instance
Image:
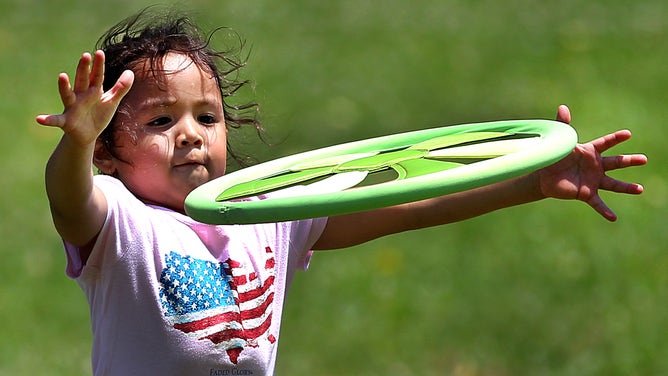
147,152
217,150
157,148
217,141
217,134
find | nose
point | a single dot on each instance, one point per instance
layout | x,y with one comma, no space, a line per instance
189,134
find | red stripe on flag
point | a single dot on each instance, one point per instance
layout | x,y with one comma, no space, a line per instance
193,326
233,264
254,293
229,334
239,280
227,317
258,311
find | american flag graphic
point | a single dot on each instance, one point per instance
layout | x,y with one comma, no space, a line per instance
222,302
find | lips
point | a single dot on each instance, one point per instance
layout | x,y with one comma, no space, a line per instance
189,166
190,160
193,163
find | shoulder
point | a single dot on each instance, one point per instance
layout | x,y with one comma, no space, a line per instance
120,201
111,186
129,220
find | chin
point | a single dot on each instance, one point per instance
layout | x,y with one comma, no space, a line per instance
195,181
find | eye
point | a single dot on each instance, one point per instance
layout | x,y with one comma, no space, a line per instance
163,120
208,119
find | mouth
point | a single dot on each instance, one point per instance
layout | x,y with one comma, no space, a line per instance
189,164
190,160
192,163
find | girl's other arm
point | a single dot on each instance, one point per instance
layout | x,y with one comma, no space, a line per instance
356,228
77,207
580,176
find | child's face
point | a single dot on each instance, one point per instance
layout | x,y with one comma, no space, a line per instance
179,133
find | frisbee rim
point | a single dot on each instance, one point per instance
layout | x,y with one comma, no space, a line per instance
555,140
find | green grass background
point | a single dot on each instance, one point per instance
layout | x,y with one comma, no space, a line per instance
545,289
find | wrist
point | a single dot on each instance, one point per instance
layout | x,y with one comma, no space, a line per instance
76,145
532,186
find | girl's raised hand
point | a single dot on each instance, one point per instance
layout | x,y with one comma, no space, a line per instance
581,174
87,108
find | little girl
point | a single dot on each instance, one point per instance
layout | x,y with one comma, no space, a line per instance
169,295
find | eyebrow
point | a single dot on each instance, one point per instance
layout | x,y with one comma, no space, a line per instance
170,101
156,102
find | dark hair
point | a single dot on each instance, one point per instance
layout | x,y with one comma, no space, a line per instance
146,38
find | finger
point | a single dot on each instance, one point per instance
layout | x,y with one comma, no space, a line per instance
97,72
608,141
618,186
65,90
564,114
82,77
597,204
623,161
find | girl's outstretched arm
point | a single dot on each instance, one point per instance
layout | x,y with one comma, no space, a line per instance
77,208
580,175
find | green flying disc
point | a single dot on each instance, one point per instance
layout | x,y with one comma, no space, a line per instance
380,172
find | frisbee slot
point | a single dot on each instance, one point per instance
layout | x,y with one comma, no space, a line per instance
380,161
378,177
256,187
328,184
486,150
419,167
458,140
331,161
407,169
458,161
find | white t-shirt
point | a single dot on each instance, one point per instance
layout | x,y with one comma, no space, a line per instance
172,296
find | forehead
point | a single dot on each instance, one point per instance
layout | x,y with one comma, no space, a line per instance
175,74
172,64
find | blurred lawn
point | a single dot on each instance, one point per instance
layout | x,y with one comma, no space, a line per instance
546,289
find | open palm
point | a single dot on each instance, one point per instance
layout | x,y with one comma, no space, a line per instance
581,174
87,108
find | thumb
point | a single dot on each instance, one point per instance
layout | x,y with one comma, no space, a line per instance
564,114
51,120
121,87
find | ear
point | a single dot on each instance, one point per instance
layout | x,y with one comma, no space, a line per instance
102,158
